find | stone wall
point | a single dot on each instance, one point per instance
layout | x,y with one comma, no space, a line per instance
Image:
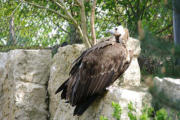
59,72
26,74
23,89
29,79
3,75
166,94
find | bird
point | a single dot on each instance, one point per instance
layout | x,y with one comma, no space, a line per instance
96,69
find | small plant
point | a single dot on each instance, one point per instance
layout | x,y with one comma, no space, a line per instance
103,118
132,111
147,113
117,110
162,115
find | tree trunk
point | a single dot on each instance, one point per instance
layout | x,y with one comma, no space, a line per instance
84,24
12,38
176,25
93,32
74,35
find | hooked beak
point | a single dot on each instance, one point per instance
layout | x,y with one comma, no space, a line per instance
111,31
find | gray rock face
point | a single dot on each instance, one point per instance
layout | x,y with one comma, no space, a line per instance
168,91
132,75
23,85
103,105
3,75
166,94
59,72
24,89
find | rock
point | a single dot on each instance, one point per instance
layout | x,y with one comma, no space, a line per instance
102,106
59,71
167,90
3,75
24,87
60,68
132,75
134,45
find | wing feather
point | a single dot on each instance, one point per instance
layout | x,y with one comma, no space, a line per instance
95,70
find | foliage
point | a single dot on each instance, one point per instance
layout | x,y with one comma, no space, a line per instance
162,115
32,26
154,14
159,57
147,113
132,111
45,24
117,110
8,48
35,25
103,118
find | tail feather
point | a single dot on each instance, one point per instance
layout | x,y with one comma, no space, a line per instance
80,109
63,94
61,87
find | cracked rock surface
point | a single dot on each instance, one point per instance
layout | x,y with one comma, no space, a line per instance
25,74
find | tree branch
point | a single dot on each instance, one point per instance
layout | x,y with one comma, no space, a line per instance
130,5
67,17
82,30
93,33
15,10
83,23
12,40
48,9
57,24
165,28
62,6
79,3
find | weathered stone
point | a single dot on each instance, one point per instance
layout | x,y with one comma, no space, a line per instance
23,84
102,106
167,90
59,71
134,45
132,76
31,65
3,75
24,89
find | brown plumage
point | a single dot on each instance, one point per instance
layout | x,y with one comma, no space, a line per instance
94,70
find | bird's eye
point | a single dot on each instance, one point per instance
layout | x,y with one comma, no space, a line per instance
116,28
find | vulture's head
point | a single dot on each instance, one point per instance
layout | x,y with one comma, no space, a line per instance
121,34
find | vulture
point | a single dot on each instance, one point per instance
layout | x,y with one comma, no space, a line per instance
96,69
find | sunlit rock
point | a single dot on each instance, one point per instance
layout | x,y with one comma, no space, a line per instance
103,106
59,71
3,75
167,90
166,94
24,87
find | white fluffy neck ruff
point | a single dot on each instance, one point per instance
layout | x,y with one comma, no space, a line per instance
118,31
